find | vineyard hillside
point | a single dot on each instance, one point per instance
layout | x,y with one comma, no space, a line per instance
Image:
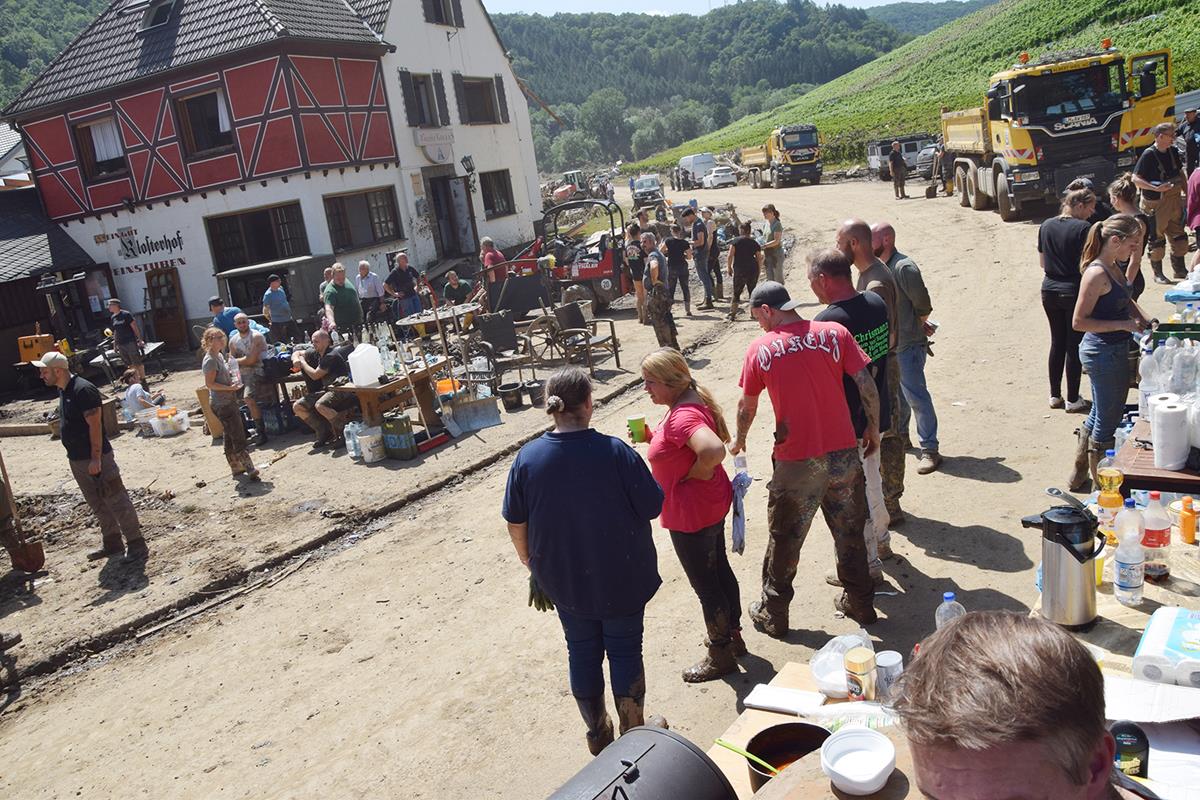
901,91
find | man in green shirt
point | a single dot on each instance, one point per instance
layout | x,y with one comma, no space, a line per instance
342,308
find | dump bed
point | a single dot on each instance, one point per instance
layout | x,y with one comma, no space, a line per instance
755,156
966,131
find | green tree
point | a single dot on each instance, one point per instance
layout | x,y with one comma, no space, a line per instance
574,149
602,116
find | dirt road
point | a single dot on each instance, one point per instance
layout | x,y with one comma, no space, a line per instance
407,663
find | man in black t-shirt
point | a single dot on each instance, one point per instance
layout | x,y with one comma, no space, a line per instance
91,458
865,315
323,409
677,249
401,283
127,339
1159,174
1189,131
745,264
899,169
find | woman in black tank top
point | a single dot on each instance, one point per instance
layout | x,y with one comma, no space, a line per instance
1123,196
1107,316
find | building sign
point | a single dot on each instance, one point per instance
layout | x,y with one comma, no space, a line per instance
437,143
132,248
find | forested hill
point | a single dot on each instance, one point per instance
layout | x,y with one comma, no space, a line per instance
919,18
650,59
34,32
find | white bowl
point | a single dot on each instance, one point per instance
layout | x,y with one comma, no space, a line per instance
859,761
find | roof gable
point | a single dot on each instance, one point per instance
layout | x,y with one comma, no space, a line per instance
30,243
113,50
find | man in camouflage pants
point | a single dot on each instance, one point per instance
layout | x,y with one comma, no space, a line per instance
815,456
658,302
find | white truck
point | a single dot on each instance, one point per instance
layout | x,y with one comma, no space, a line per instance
693,168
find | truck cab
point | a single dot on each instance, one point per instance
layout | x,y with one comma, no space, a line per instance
1045,123
791,153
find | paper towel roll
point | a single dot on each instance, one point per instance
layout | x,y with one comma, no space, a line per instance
1154,667
1156,400
1187,673
1171,439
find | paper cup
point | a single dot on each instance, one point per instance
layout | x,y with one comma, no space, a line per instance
637,427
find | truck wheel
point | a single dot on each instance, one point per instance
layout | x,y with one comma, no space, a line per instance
960,185
816,179
1010,209
776,181
979,200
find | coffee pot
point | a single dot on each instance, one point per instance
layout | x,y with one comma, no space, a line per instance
1071,543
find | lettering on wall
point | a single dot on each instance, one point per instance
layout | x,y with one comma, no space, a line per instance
132,247
132,269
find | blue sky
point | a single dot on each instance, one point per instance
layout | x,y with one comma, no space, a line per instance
619,6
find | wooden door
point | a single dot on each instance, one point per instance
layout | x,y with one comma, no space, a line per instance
166,308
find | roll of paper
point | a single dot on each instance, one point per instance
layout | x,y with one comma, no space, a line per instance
1156,400
1154,667
1187,673
1171,437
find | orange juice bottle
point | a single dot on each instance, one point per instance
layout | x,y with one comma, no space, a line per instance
1187,521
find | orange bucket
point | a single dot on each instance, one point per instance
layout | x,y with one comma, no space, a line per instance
448,386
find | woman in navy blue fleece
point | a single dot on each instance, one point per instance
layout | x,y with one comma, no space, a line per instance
579,505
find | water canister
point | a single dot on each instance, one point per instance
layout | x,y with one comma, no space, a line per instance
371,442
398,439
649,764
353,449
365,367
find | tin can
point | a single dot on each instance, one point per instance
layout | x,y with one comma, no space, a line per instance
860,674
889,665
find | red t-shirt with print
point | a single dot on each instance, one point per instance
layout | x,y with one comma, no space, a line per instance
801,366
688,506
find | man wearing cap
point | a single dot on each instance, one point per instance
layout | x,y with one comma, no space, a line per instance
700,244
401,283
278,311
91,458
127,339
1189,131
801,365
899,169
1159,174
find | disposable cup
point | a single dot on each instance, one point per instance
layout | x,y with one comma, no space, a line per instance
637,427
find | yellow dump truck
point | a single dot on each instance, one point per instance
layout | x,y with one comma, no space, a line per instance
790,153
1045,123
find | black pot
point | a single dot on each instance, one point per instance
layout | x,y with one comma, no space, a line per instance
780,745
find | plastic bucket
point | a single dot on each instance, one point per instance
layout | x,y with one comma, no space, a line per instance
447,387
537,393
169,425
370,441
510,395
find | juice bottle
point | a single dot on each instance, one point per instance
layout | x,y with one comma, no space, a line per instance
1187,521
1156,541
1110,500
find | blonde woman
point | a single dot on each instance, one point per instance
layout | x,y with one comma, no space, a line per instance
222,398
686,451
1123,196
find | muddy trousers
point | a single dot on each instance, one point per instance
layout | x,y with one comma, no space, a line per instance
773,264
234,438
658,309
875,529
109,501
833,483
1167,212
590,640
706,564
891,445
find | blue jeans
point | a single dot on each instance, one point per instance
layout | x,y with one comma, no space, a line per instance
679,275
1107,365
701,263
915,397
588,640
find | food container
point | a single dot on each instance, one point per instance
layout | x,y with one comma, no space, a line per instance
860,674
859,761
780,745
169,425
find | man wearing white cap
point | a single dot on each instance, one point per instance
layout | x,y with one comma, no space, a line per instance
91,459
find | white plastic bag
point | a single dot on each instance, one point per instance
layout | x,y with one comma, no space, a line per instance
829,663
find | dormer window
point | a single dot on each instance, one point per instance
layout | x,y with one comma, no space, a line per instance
154,12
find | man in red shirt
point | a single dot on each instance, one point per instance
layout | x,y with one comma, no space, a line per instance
801,364
490,256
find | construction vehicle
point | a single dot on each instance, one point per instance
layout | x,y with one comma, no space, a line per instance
791,153
1064,116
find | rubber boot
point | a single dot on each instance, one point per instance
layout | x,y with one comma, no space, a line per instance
260,432
1157,267
631,714
720,659
1096,455
1178,268
321,428
1079,477
599,724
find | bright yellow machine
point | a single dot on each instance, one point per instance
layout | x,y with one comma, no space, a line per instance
791,153
1047,122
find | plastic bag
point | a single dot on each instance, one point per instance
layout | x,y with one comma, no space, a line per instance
829,663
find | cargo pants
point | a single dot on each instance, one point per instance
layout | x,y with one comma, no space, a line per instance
658,308
833,483
1167,212
109,500
891,445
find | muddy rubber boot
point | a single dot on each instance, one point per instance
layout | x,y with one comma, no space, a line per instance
738,643
1157,267
1096,455
599,724
260,432
1080,476
1178,268
720,659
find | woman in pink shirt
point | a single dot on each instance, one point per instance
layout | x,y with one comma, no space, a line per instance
686,451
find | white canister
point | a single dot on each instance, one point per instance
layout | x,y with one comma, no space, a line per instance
889,665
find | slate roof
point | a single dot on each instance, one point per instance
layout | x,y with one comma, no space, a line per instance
374,12
10,138
113,51
30,243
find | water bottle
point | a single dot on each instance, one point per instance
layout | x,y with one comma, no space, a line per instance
948,610
1156,540
1189,313
235,372
740,463
1130,559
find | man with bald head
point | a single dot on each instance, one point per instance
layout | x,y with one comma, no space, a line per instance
321,408
913,308
854,240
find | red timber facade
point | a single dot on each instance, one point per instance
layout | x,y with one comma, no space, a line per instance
285,113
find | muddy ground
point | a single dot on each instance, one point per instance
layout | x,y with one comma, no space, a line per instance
402,659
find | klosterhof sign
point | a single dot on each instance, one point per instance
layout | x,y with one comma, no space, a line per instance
132,248
437,143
